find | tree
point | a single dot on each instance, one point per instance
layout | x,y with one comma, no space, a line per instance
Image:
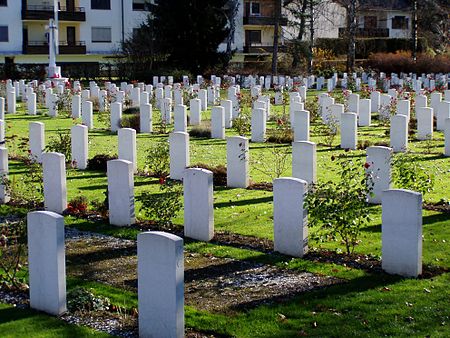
183,35
433,23
276,35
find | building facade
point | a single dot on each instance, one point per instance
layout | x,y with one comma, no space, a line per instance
89,30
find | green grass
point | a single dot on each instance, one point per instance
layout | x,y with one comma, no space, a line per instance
16,323
367,305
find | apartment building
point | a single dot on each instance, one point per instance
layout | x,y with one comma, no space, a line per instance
383,19
89,30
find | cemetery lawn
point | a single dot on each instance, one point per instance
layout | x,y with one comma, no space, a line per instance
16,323
366,302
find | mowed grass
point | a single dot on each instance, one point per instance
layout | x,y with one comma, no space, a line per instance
16,323
367,305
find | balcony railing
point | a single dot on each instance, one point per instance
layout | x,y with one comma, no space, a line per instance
262,49
367,32
43,12
263,20
41,47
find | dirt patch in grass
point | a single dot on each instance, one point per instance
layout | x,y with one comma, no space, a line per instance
211,283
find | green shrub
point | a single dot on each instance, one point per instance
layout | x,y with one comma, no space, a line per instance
131,121
83,300
219,173
62,143
164,206
157,160
99,162
340,209
200,132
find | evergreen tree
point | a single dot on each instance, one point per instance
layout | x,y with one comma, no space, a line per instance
183,35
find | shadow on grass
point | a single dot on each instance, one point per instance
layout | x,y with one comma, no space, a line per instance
244,202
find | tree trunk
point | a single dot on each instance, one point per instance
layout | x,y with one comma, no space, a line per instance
301,32
414,31
351,29
311,36
276,34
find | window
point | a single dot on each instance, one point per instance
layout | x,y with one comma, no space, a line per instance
255,8
370,22
4,34
101,34
100,4
400,22
253,37
3,3
141,5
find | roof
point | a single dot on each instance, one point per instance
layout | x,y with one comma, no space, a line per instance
386,4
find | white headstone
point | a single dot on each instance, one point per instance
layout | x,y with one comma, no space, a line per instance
375,101
228,109
87,114
55,189
4,193
195,117
166,110
301,125
443,113
11,102
424,117
447,138
36,140
160,285
198,204
304,161
2,108
218,123
146,118
179,154
401,232
349,131
237,162
116,116
258,125
289,216
46,262
399,133
31,104
127,146
79,146
121,192
378,160
365,115
180,118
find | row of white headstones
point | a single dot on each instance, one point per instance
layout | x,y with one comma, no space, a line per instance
359,112
290,220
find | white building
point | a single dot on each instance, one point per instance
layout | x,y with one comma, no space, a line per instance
89,30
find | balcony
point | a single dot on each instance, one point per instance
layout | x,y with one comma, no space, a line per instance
264,20
65,48
367,32
262,49
43,12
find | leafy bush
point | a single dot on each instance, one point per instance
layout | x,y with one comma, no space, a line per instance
340,209
77,206
408,173
83,300
62,143
282,133
26,190
131,121
157,160
219,173
242,123
13,239
99,162
164,206
200,132
403,62
131,111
